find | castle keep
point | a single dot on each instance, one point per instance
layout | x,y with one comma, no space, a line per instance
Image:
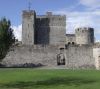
45,43
46,29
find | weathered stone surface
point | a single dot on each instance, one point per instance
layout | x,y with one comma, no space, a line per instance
28,27
44,44
27,54
80,57
75,57
84,35
96,55
50,29
70,39
44,29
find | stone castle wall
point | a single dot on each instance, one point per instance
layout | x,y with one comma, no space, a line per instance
75,56
70,39
96,55
27,54
84,35
80,57
28,27
51,29
44,29
43,43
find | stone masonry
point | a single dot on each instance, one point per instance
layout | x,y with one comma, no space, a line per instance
45,43
46,29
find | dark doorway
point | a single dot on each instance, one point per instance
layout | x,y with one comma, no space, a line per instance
60,59
73,43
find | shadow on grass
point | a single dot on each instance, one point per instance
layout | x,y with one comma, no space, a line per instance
51,82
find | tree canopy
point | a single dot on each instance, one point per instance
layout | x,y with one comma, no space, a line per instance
6,37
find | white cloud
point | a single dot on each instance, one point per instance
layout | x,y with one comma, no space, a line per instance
74,19
81,19
90,3
78,21
18,32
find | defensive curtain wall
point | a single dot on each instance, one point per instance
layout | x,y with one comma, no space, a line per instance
69,57
44,44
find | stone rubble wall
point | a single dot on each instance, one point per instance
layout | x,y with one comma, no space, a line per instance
75,56
22,55
80,57
96,55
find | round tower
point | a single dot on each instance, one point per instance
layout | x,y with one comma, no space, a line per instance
84,35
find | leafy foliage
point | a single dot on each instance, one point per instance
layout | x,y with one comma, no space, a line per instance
6,37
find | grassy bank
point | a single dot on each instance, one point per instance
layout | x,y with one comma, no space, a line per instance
49,79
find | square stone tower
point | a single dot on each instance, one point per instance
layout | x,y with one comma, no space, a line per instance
28,27
84,35
51,29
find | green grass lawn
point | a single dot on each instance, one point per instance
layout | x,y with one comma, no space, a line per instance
49,79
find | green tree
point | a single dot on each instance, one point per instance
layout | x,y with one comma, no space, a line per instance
6,37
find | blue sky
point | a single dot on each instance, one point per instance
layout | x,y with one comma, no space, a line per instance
79,13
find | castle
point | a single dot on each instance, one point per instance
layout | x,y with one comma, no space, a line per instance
83,35
43,30
45,43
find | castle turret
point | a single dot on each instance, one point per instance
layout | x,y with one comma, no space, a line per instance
28,27
84,35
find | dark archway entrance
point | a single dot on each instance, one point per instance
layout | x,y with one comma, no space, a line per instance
73,43
60,59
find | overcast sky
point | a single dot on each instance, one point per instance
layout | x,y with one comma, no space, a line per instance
79,13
